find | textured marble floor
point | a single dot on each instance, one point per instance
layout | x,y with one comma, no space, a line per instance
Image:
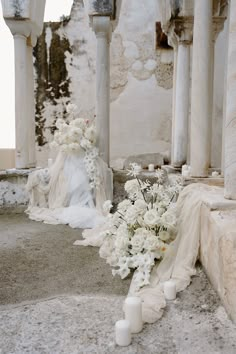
59,298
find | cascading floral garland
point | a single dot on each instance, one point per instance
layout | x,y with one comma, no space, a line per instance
142,228
79,135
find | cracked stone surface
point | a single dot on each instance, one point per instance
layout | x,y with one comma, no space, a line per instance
59,298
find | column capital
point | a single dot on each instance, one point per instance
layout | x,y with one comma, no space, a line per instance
102,8
102,26
183,28
217,26
180,30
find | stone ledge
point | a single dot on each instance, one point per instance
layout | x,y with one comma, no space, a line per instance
14,172
210,181
218,254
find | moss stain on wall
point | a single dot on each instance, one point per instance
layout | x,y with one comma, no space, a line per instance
52,80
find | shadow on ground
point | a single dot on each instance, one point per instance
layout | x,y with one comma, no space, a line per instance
39,261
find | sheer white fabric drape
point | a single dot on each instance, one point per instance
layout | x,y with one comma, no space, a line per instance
62,195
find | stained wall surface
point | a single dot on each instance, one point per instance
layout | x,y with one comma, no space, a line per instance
141,79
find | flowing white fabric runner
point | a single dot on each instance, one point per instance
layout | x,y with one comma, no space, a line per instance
180,258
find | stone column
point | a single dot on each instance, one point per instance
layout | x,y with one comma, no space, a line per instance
200,137
224,102
102,28
31,104
180,132
217,26
21,101
172,40
230,121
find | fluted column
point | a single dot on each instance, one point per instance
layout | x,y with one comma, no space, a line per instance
230,121
200,137
102,28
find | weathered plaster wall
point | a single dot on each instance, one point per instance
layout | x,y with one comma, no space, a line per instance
141,79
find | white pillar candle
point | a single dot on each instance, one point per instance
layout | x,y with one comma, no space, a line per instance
122,332
133,313
186,174
215,174
185,168
151,167
170,290
50,162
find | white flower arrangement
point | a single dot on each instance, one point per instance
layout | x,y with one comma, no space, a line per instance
142,228
78,136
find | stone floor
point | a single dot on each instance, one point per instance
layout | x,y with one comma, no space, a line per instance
59,298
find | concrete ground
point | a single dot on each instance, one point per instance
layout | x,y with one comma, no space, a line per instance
59,298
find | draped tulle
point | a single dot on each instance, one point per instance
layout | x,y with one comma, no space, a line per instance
62,195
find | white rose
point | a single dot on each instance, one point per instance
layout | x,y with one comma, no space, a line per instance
168,218
143,232
151,217
140,205
79,123
151,243
64,129
164,235
137,243
122,231
59,123
85,144
74,146
121,244
124,205
132,187
131,215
